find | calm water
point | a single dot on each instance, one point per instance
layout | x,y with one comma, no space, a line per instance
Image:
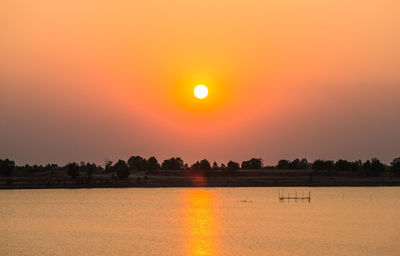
221,221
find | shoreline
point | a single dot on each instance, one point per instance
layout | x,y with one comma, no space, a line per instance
150,187
201,180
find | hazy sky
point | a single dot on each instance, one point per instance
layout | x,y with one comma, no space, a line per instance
88,80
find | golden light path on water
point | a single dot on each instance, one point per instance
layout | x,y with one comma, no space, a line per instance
200,222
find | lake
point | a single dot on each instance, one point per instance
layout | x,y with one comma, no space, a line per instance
200,221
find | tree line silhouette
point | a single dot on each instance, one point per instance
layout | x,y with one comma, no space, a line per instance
122,169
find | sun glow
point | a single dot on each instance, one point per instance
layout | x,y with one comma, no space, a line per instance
201,91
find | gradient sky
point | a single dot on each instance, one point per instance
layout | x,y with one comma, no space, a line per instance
93,79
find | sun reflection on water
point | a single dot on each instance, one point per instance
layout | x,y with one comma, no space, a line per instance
200,222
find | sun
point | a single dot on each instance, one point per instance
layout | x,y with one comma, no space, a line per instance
201,91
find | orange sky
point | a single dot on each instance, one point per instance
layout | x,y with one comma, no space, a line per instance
86,80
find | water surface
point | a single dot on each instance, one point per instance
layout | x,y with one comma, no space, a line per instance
191,221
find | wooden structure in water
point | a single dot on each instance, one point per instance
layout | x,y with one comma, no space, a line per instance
294,196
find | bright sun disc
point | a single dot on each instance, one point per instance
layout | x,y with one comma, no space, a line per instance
200,91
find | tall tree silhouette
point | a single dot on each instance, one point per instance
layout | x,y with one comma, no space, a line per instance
342,165
89,169
298,164
137,163
195,166
205,165
108,166
395,165
254,163
202,165
7,167
152,164
73,170
215,166
377,167
233,165
283,164
174,163
122,169
322,165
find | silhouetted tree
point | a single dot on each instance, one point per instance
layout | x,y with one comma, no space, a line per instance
174,163
322,165
137,163
108,166
7,167
152,164
233,165
298,164
50,167
395,165
377,167
245,165
223,166
254,163
195,166
89,169
373,167
294,164
122,169
205,165
356,166
366,167
73,170
304,163
215,166
343,165
283,164
202,165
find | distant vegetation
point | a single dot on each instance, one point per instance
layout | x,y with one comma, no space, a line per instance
121,169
